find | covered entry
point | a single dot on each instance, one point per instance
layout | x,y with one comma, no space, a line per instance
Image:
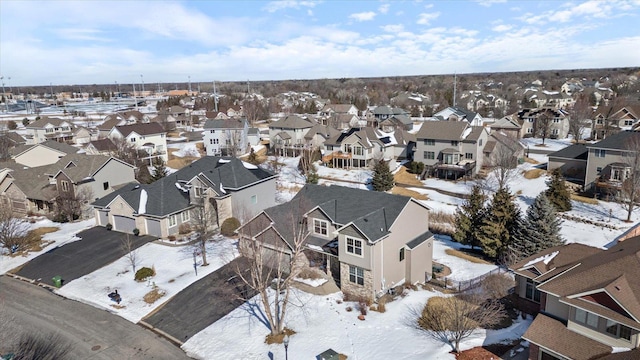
123,223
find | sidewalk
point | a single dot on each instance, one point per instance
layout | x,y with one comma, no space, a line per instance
522,355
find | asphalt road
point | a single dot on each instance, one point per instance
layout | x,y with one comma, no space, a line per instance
98,247
202,303
93,334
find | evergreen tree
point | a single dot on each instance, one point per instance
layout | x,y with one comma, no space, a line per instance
539,230
469,217
557,192
500,224
159,169
143,175
312,177
382,176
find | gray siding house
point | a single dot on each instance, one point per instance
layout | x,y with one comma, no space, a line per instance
607,162
226,186
286,136
368,241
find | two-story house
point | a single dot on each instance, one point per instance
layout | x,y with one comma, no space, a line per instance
318,134
533,120
381,113
456,113
45,153
149,137
226,137
358,148
451,149
610,119
286,136
225,186
330,109
368,241
587,301
609,162
48,128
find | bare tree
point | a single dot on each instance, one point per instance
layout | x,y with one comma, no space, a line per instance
504,163
71,203
579,116
5,147
13,230
274,261
630,189
204,220
542,125
131,253
453,319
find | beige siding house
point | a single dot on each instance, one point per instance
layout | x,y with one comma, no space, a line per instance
369,242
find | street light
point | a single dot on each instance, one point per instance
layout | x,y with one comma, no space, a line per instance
286,347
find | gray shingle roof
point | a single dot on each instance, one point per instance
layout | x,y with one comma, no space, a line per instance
103,144
419,240
575,151
141,129
52,144
165,198
39,124
325,131
79,167
225,123
291,122
442,130
617,141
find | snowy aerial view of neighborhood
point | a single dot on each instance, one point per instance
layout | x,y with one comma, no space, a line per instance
162,210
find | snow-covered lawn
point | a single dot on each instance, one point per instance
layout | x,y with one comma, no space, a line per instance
185,149
65,235
174,272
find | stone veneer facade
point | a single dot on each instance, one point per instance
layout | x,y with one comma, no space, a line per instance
354,290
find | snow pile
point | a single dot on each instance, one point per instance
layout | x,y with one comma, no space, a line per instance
187,150
142,207
546,259
182,188
249,166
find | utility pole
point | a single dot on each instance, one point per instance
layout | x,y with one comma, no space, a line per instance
4,95
215,96
189,84
142,80
454,89
51,89
134,96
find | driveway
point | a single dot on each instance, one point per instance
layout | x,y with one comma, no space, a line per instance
97,248
202,303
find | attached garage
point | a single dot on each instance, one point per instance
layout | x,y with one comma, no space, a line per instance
124,224
103,218
154,228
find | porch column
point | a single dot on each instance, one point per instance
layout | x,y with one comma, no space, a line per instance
328,264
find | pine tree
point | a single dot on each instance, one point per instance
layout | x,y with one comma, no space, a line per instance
143,175
382,176
557,192
500,224
540,229
159,169
469,217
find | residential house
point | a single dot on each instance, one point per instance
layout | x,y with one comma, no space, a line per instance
253,137
318,134
340,121
226,137
12,138
48,128
226,187
396,122
110,122
586,300
608,120
234,111
368,241
533,120
358,148
135,116
572,162
48,152
451,149
35,189
502,150
330,109
459,114
508,126
404,145
381,113
149,137
100,147
608,162
286,136
166,120
81,135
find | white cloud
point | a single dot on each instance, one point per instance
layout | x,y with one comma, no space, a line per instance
488,3
81,34
384,8
274,6
363,16
501,28
393,28
426,18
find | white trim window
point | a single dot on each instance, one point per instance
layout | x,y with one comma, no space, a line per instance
356,275
354,246
320,227
173,220
184,216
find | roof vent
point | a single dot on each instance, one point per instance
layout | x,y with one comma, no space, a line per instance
136,187
617,288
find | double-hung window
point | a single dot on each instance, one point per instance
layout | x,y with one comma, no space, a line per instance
356,275
173,220
531,292
354,246
320,227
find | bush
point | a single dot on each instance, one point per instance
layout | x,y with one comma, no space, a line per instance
109,226
497,286
144,273
184,228
171,238
136,231
60,218
12,125
229,226
416,167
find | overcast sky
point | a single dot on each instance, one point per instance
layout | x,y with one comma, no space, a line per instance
87,42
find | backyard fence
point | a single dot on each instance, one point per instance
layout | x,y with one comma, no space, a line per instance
461,285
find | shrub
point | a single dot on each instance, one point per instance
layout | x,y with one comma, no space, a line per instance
136,231
60,218
382,305
109,226
144,273
416,167
171,238
12,125
184,228
229,226
497,286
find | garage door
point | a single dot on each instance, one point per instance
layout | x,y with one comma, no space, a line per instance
124,224
103,218
153,228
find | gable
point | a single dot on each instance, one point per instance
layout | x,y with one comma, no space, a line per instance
318,214
602,298
271,237
352,231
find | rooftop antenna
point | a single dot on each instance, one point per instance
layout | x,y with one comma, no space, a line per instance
455,79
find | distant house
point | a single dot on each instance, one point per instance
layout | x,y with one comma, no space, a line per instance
509,126
149,137
48,128
330,109
381,113
100,147
318,134
451,149
532,120
46,153
396,122
609,120
586,301
226,137
608,164
368,241
81,135
110,122
501,150
286,136
459,114
12,138
358,148
225,186
135,116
